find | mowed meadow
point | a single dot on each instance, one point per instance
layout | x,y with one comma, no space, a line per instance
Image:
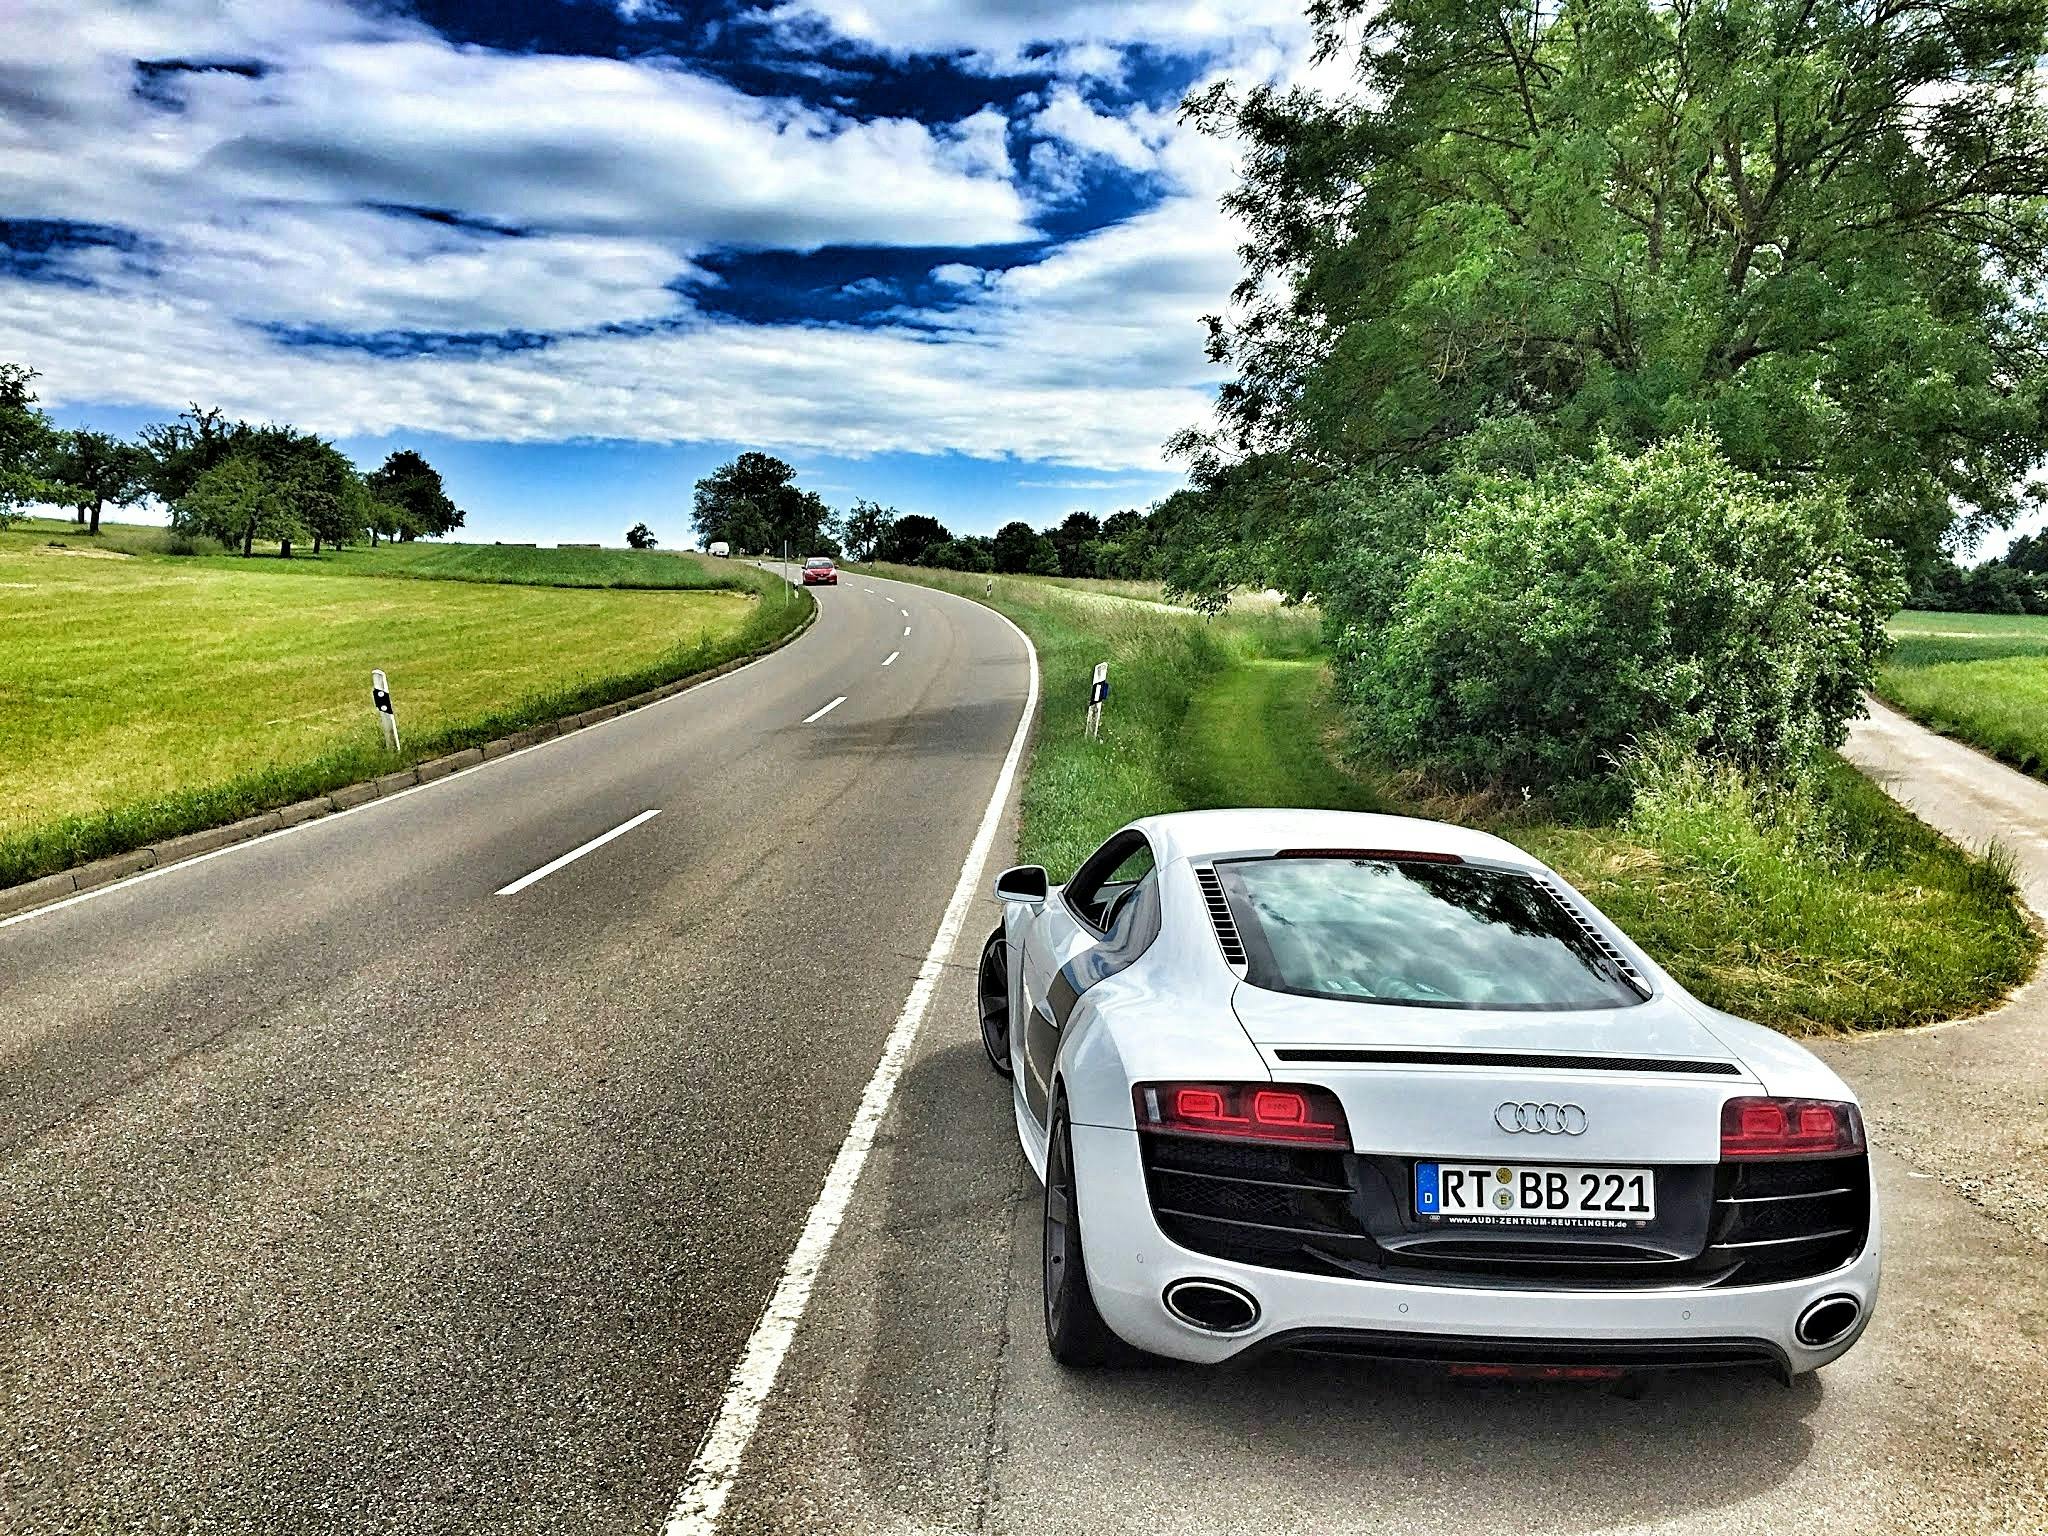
1979,677
146,694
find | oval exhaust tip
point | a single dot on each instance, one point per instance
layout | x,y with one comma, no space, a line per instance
1827,1320
1214,1306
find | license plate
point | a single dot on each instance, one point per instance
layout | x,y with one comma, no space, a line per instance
1534,1194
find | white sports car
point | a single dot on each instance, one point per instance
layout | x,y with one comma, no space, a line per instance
1386,1087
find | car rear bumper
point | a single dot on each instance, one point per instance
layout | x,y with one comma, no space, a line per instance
1131,1263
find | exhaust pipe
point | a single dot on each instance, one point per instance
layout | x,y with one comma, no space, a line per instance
1827,1320
1214,1306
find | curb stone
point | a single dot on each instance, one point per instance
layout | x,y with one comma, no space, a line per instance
176,850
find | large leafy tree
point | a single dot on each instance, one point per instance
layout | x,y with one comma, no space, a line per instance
865,525
754,502
1074,540
243,498
407,482
95,468
907,538
1813,227
26,439
182,451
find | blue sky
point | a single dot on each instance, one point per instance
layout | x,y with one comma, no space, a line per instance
949,254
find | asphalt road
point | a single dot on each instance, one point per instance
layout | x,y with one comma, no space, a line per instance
340,1192
337,1192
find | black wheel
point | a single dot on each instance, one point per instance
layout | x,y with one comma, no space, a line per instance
992,995
1074,1330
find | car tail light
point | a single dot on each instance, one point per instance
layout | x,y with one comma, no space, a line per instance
1756,1127
1243,1111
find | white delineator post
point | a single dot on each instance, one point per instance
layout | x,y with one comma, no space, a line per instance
1098,690
380,695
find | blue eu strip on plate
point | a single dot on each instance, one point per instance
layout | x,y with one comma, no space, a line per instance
1425,1189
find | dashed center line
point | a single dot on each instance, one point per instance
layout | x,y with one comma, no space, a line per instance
904,611
821,714
906,631
890,657
576,853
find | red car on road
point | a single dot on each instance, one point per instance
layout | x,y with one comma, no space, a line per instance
819,571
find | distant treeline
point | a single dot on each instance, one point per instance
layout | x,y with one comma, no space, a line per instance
753,505
231,481
2014,582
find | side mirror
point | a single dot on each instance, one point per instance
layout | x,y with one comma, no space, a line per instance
1026,882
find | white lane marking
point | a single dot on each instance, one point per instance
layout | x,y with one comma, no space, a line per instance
461,776
904,611
718,1460
869,590
891,657
906,631
821,714
576,853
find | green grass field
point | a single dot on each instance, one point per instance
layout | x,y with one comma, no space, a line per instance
144,695
1857,918
1980,677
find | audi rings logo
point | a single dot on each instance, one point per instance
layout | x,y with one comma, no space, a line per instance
1542,1119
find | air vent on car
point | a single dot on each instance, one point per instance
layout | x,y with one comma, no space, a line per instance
1219,915
1600,941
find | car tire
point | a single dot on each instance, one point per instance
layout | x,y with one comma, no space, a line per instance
1074,1329
992,1001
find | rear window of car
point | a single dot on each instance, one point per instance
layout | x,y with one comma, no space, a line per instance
1418,934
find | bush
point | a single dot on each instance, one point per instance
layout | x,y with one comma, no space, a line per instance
1553,618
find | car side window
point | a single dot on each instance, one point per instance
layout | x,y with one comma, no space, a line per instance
1106,876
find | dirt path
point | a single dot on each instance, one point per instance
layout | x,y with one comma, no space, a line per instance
1967,1101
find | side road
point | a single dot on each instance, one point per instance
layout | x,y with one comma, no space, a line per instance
919,1396
1967,1101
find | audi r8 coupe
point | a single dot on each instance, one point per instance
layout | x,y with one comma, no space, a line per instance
1386,1087
819,571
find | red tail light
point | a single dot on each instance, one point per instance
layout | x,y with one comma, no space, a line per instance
1789,1128
1243,1111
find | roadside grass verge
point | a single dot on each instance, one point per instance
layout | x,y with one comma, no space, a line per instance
1851,916
146,697
1979,677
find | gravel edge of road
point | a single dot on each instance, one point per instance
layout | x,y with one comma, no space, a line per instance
18,900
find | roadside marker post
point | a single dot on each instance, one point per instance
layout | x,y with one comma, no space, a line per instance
1098,690
380,695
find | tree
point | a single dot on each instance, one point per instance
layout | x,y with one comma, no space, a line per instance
407,481
1016,543
334,503
95,468
26,438
866,524
1811,229
753,502
908,537
960,555
1073,541
241,499
640,536
183,450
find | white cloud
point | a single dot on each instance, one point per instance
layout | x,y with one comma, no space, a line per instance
1086,32
618,172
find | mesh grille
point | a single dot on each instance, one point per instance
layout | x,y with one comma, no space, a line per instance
1219,916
